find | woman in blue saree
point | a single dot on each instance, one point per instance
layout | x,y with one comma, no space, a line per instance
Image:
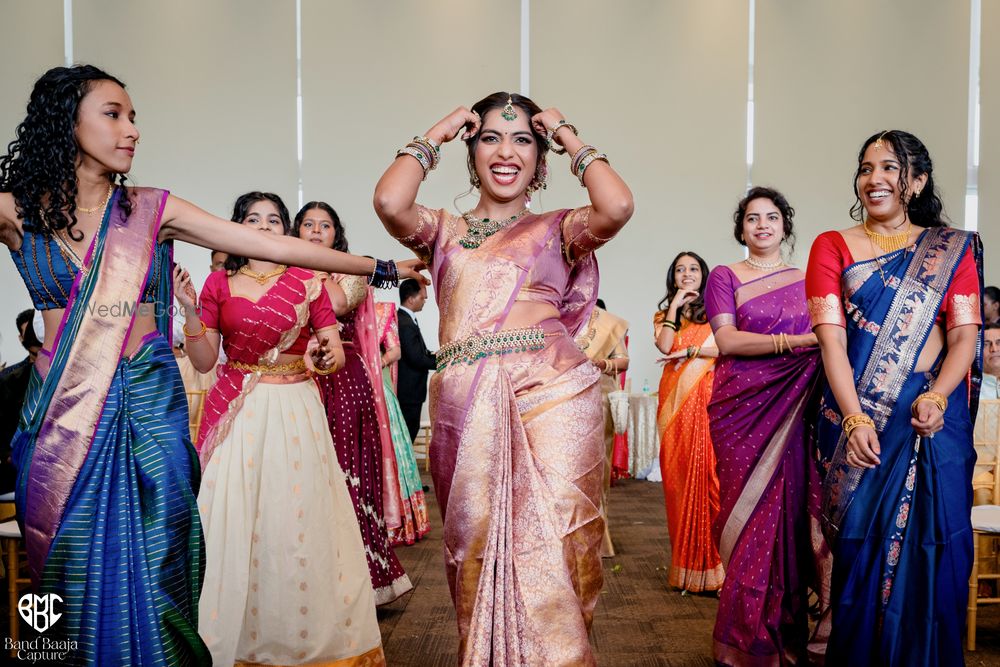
895,304
107,476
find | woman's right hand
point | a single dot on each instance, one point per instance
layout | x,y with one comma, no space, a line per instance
411,268
449,127
184,291
862,448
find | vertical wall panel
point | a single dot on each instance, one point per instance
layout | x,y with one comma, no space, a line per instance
989,152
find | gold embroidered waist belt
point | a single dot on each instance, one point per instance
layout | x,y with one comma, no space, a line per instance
291,368
482,345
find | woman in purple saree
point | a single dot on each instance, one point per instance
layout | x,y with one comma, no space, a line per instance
765,391
517,454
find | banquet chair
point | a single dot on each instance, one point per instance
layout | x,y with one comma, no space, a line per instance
196,409
985,518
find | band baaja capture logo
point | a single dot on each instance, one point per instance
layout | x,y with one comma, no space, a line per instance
40,612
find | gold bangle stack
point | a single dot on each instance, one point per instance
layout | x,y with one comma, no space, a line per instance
851,422
331,369
936,398
670,324
781,343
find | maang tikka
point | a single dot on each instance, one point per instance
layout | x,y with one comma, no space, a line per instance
508,111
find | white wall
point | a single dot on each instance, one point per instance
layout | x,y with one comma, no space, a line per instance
660,85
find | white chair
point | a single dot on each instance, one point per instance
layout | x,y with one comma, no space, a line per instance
985,518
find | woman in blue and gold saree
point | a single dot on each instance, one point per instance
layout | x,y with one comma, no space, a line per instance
107,475
894,302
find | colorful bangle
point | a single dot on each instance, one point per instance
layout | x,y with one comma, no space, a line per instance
195,336
584,151
589,160
936,398
851,422
551,135
384,275
670,324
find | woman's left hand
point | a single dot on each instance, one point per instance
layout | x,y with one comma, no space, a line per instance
322,355
546,120
411,268
927,419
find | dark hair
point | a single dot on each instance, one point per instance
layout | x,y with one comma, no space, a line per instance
600,304
990,326
408,288
992,293
778,199
339,233
696,307
240,211
498,100
29,339
39,168
923,210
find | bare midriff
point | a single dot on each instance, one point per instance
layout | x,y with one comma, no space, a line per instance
524,314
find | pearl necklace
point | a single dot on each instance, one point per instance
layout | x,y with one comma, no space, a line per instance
755,263
262,278
107,198
480,229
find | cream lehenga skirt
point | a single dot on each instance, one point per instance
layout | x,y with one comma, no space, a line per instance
286,580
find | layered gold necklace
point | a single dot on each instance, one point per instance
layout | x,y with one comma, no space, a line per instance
107,198
480,229
889,242
262,278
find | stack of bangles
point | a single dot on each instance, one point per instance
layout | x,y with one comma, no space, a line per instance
384,275
934,397
200,334
781,343
670,324
320,371
851,422
551,135
693,351
426,152
583,159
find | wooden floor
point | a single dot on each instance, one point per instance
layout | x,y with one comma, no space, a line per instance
638,623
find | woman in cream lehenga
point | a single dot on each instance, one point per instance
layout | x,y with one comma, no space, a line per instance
517,454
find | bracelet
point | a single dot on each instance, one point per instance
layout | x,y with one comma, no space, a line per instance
433,151
786,342
329,370
384,275
585,150
425,164
778,344
196,335
851,422
551,135
589,160
936,398
670,324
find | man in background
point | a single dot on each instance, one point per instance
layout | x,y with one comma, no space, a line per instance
13,387
416,361
991,361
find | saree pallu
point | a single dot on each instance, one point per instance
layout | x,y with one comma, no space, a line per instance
518,465
416,523
768,527
349,401
107,475
687,464
901,532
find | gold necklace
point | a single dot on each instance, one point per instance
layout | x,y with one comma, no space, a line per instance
755,263
480,229
107,198
262,278
889,242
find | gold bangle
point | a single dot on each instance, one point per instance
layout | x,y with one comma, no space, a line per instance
194,336
328,371
788,343
851,422
936,398
774,341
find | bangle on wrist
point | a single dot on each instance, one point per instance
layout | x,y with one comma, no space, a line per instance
194,336
384,275
851,422
551,135
934,397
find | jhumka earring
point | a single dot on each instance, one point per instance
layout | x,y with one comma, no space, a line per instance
473,176
508,112
539,182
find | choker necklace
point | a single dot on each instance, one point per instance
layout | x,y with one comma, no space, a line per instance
889,242
480,229
262,278
754,263
107,198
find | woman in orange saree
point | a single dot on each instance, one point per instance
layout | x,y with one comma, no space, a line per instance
687,459
517,455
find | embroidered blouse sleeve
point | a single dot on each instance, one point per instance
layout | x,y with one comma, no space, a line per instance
355,289
962,302
720,298
211,300
321,315
823,293
577,238
422,240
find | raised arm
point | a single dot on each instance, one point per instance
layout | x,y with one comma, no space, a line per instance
183,221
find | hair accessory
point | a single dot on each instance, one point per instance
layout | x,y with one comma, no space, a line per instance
508,111
878,142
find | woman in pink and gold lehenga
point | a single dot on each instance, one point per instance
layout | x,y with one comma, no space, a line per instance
517,452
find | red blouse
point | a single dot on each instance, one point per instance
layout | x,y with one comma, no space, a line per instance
225,312
830,256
